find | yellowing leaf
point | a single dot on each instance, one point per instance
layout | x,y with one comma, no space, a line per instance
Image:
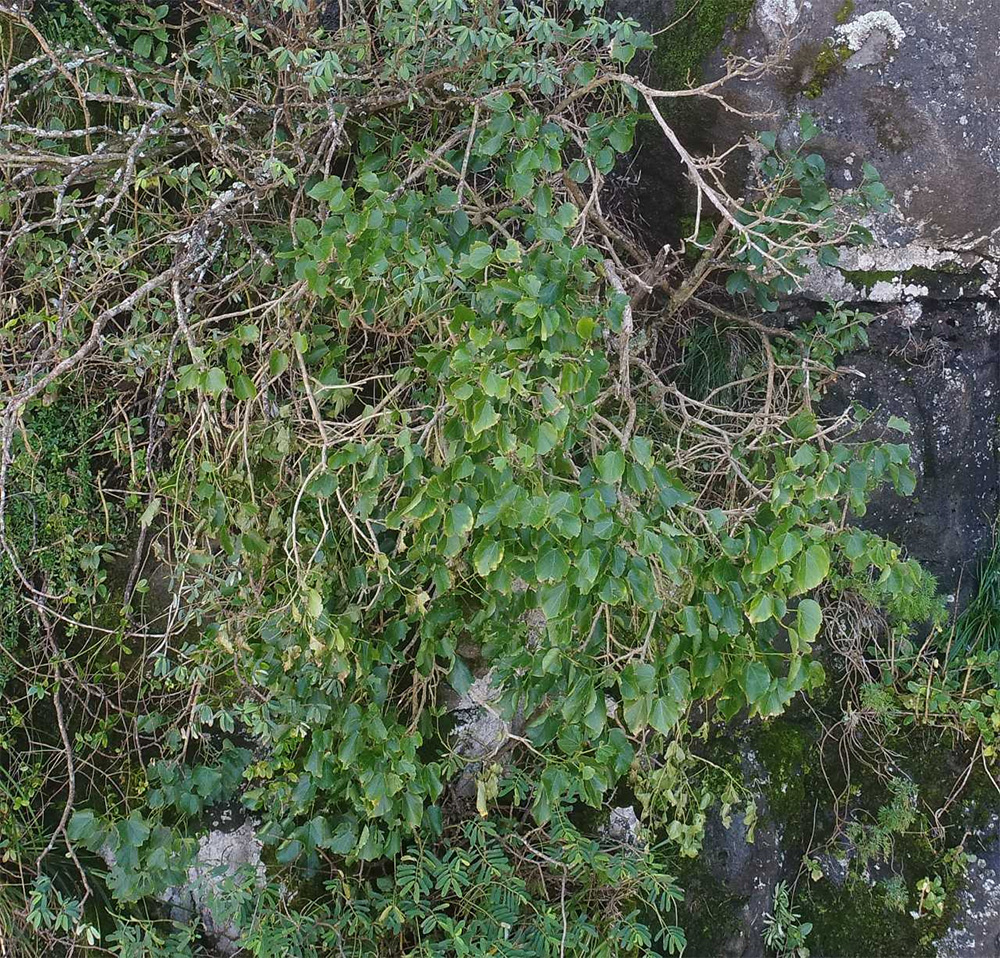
487,556
150,512
761,608
811,568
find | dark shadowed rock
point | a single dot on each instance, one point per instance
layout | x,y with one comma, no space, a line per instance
936,366
744,865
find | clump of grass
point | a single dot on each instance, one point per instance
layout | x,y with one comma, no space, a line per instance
977,628
713,357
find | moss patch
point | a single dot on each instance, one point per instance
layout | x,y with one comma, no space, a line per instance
699,27
788,751
942,278
845,12
711,913
829,61
814,65
869,915
866,279
853,921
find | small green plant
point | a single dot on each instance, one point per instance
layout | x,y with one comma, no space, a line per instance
895,893
956,861
794,201
875,840
977,628
813,867
50,910
784,933
932,897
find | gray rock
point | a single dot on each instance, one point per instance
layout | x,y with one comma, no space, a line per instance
975,930
480,731
623,826
775,18
938,368
919,97
915,90
226,849
747,868
922,103
221,854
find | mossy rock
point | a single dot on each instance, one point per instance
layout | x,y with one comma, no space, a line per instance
845,12
854,920
788,750
814,66
697,29
711,914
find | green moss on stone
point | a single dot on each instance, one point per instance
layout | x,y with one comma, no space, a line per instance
845,12
788,751
698,28
914,276
830,59
865,917
866,279
710,913
858,919
854,921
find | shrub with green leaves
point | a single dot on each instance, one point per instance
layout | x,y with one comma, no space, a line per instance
378,401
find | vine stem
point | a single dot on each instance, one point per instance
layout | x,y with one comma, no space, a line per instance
60,829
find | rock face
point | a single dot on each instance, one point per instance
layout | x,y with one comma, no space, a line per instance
913,88
480,731
937,366
222,852
229,849
623,826
748,866
975,932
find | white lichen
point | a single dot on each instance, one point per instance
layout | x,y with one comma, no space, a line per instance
775,17
623,826
912,312
858,32
897,259
480,731
895,291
